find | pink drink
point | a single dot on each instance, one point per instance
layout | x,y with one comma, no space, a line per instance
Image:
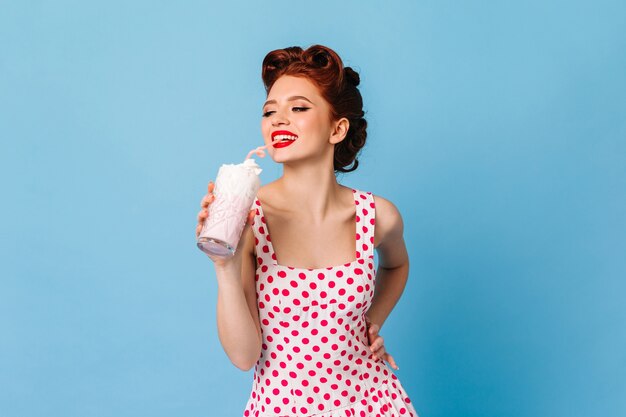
235,189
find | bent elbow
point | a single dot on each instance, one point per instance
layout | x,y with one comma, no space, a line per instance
244,366
246,360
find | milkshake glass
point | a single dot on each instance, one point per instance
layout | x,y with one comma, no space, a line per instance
235,189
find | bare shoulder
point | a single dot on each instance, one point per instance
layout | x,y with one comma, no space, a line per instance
267,192
264,189
389,224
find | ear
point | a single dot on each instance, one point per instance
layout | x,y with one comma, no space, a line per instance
340,130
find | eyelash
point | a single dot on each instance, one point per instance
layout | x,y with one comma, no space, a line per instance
297,109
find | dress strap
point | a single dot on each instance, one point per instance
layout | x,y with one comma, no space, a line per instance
262,241
365,223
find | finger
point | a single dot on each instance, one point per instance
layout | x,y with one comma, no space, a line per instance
380,353
206,200
198,230
377,344
372,334
250,218
373,330
202,215
211,187
392,361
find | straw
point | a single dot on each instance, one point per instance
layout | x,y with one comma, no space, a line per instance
258,151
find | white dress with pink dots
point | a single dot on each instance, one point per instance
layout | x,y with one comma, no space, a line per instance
315,358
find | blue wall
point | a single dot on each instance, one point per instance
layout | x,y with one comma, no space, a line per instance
497,128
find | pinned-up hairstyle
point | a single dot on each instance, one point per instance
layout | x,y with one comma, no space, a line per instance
337,84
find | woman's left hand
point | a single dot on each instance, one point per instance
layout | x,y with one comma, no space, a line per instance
376,344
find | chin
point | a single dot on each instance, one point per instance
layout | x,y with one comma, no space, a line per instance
274,156
280,160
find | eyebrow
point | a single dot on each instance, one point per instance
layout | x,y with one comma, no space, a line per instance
292,98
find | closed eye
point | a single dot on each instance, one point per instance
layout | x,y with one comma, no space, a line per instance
295,109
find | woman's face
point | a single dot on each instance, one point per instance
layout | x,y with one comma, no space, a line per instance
296,121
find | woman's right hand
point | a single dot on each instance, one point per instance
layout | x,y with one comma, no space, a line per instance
204,213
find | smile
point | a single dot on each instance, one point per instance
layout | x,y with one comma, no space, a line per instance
283,138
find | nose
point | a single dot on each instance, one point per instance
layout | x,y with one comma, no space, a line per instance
279,118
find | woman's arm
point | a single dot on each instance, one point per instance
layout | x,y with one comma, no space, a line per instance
238,322
393,261
238,325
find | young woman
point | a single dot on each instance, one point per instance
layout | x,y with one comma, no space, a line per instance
301,300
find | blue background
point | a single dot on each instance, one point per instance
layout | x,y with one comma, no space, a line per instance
497,128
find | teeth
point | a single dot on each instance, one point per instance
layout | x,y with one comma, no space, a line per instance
285,137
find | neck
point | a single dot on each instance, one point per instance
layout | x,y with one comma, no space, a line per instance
313,186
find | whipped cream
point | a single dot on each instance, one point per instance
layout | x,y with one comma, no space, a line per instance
251,164
238,179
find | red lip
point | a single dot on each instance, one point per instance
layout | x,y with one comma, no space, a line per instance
283,144
283,132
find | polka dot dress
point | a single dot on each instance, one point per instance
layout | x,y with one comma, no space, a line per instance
315,358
